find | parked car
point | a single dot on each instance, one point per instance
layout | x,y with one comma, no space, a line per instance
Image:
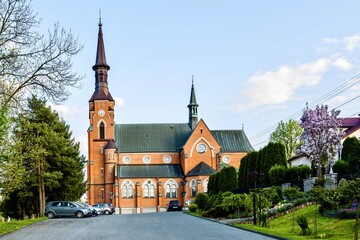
66,208
174,205
94,210
106,208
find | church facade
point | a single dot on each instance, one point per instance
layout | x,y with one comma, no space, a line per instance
139,168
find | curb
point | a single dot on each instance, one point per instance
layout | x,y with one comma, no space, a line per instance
245,229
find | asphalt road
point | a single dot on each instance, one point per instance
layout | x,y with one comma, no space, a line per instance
152,226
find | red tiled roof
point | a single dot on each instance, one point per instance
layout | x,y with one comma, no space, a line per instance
351,125
349,122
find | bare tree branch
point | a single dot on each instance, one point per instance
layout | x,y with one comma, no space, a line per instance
31,61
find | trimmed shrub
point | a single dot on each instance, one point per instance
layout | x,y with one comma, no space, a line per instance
193,207
304,225
201,200
277,174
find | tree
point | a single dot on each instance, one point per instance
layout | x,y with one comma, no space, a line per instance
30,61
289,135
227,179
45,164
233,201
351,153
321,137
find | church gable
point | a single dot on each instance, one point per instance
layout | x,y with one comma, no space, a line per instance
200,147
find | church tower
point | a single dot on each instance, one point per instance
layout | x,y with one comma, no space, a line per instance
101,145
193,114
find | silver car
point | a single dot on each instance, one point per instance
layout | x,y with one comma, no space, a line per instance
66,208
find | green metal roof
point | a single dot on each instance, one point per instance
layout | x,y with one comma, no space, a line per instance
232,140
202,169
150,171
153,137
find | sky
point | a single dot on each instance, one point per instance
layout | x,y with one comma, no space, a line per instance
254,63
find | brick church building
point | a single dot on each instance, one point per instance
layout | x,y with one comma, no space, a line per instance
141,167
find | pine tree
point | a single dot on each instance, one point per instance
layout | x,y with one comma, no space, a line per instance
46,163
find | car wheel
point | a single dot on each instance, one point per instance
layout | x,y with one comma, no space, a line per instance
96,213
79,214
50,215
107,212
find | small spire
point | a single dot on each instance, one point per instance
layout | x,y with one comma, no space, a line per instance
243,127
100,24
193,114
192,79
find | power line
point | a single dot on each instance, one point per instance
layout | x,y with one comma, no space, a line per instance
341,88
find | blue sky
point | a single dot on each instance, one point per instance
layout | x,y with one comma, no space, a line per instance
254,63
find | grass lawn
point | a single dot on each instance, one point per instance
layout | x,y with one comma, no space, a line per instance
335,229
7,227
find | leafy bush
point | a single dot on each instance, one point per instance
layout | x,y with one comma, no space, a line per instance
193,207
296,174
201,200
304,225
341,167
264,220
211,202
220,212
292,193
350,192
210,212
343,183
227,194
271,195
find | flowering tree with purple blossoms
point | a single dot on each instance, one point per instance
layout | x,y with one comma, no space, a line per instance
321,137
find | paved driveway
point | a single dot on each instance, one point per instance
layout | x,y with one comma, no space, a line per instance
152,226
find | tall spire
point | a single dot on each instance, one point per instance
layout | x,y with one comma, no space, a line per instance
100,61
101,69
193,114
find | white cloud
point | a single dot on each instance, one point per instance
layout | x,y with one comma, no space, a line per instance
83,144
352,42
349,43
62,110
273,88
119,102
343,64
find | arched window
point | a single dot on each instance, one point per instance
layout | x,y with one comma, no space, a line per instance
102,130
149,189
171,189
152,190
193,187
205,185
127,189
146,191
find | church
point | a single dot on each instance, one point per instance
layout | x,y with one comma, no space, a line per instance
139,168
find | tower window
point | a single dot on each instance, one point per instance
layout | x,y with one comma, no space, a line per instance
102,131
